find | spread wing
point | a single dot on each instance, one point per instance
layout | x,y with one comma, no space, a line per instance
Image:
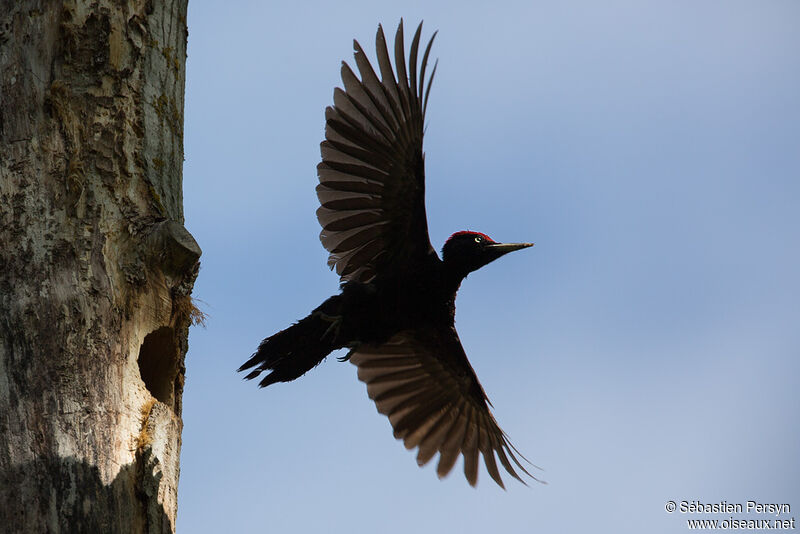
422,381
372,174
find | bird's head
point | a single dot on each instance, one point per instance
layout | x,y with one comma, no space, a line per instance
465,252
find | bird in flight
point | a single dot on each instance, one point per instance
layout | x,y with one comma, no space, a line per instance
396,308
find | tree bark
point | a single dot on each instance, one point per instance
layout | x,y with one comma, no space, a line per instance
96,268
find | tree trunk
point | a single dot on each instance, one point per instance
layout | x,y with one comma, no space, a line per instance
96,268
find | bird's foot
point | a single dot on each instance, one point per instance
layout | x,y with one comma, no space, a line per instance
353,347
335,324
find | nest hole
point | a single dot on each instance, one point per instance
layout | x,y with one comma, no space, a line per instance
158,364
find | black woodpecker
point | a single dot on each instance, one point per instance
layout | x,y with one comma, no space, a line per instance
396,308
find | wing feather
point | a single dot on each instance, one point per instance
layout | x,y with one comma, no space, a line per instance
372,85
434,438
450,449
362,99
486,447
421,380
412,64
342,202
388,82
372,166
348,220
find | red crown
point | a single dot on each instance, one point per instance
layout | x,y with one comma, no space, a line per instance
467,232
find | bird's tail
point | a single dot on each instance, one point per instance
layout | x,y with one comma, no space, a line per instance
294,351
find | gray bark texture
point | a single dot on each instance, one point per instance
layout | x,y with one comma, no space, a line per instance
96,268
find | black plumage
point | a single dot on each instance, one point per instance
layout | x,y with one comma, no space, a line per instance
396,309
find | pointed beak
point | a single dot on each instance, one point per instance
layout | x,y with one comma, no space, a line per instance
495,250
505,248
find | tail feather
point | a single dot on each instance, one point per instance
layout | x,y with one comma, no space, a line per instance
294,351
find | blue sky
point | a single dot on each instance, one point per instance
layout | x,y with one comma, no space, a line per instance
646,350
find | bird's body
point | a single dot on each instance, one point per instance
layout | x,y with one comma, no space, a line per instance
373,311
396,308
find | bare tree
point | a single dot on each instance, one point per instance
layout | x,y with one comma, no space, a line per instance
96,268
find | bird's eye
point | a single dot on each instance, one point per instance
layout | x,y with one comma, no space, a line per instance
478,239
